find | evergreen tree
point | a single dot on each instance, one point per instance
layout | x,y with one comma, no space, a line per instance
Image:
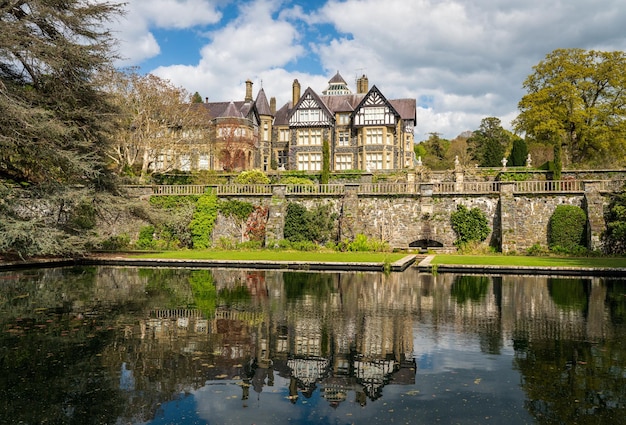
488,144
196,98
325,163
53,126
519,153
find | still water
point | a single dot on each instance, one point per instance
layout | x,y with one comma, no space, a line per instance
113,345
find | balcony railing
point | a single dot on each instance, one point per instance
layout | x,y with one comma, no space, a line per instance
438,188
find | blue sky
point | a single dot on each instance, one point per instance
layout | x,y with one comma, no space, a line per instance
463,60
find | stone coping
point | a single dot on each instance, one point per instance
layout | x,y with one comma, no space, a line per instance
397,266
425,266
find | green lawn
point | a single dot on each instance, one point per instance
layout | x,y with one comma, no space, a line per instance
269,255
511,260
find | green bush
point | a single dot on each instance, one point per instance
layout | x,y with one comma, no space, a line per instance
316,225
146,238
204,217
297,180
469,225
295,229
363,243
567,229
252,177
116,243
238,210
614,237
304,246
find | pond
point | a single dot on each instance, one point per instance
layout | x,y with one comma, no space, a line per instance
115,345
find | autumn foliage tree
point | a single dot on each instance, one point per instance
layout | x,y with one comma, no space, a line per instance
156,121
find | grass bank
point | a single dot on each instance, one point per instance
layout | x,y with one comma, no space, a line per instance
512,260
269,255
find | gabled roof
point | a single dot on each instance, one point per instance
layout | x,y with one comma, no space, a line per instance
231,112
375,92
309,91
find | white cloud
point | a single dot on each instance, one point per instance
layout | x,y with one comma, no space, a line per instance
468,58
134,29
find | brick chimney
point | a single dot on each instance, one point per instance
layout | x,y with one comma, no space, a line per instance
362,85
295,90
248,91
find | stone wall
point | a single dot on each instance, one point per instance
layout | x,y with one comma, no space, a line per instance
517,221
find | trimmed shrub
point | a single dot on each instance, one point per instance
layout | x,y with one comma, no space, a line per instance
469,225
252,177
567,229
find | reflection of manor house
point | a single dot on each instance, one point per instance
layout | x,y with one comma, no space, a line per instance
364,131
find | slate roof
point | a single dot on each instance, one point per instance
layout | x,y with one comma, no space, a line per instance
262,105
337,79
347,103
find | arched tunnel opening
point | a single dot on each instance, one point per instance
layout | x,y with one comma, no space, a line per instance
425,244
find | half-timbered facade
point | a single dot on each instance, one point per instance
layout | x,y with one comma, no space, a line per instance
364,131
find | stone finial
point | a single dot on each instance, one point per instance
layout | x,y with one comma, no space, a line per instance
504,161
419,161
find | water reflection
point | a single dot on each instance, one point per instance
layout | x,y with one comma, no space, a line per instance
123,345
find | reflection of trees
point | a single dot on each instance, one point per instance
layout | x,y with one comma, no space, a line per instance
297,284
570,381
616,300
570,294
149,335
469,288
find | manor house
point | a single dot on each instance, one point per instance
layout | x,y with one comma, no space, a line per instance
364,130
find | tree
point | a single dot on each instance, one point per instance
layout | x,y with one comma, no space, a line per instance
433,152
51,122
575,102
519,153
325,177
196,98
614,237
157,124
54,129
488,144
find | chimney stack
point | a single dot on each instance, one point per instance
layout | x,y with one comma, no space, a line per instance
273,105
248,91
362,85
295,89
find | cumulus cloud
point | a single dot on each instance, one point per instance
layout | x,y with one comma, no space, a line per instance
134,29
463,60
